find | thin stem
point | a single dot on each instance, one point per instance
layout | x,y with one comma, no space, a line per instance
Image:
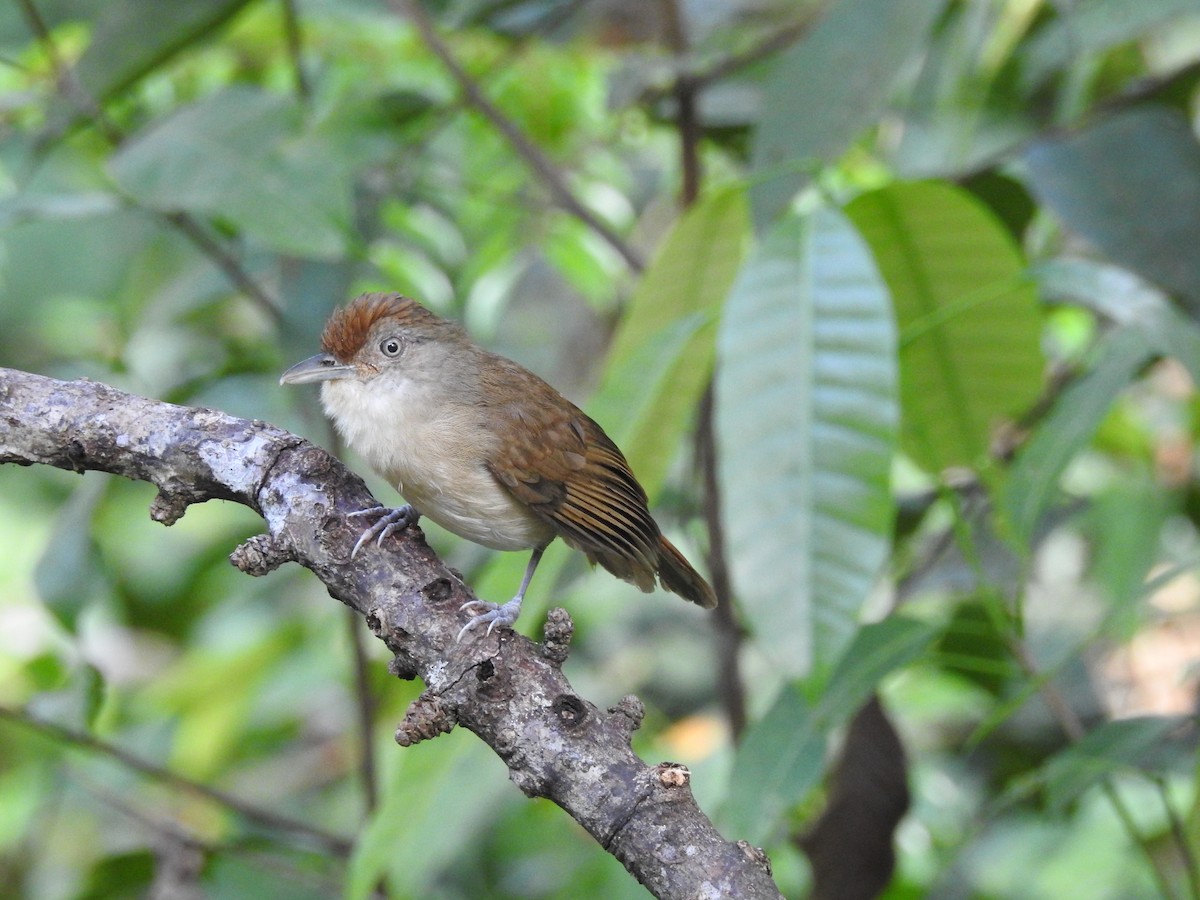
765,48
1160,875
220,257
295,46
184,840
366,711
334,843
1180,837
729,633
685,90
551,178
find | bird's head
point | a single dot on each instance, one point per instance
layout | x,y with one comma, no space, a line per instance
373,334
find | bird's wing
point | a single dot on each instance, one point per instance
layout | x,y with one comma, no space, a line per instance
572,476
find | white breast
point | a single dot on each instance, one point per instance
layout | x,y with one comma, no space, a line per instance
434,454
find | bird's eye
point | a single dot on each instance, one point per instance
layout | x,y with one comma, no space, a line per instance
390,347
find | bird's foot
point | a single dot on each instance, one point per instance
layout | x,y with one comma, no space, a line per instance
494,615
390,521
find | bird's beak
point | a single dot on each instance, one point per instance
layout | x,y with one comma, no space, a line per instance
322,367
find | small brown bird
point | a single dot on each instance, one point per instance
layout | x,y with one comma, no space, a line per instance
484,448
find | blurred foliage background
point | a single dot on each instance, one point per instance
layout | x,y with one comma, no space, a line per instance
892,303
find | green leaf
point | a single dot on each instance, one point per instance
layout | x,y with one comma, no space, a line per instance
1125,523
69,575
783,754
806,417
1082,29
214,694
1069,427
438,798
55,207
1171,334
241,155
825,91
1129,184
661,357
877,650
1103,752
969,322
115,58
123,874
1121,296
780,760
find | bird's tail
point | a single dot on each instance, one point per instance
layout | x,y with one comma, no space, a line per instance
677,575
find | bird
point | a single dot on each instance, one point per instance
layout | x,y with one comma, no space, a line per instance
485,448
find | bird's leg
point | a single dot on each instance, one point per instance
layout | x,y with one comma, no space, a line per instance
390,521
495,614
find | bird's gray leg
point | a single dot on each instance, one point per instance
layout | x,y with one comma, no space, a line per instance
390,521
495,614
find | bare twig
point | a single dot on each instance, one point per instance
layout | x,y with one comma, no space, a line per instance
263,817
546,171
505,689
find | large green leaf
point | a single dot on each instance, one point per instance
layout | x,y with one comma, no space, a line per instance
968,317
1130,184
1069,427
428,814
806,414
783,754
830,87
242,155
661,357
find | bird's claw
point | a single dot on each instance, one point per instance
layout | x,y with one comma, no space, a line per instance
390,521
494,615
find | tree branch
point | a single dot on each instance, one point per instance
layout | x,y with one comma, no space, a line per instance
504,688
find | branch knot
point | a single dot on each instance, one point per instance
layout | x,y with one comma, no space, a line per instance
426,718
261,554
556,635
627,715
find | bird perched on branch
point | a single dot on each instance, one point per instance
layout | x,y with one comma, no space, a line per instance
484,448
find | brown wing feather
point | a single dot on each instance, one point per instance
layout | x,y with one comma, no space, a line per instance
573,477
